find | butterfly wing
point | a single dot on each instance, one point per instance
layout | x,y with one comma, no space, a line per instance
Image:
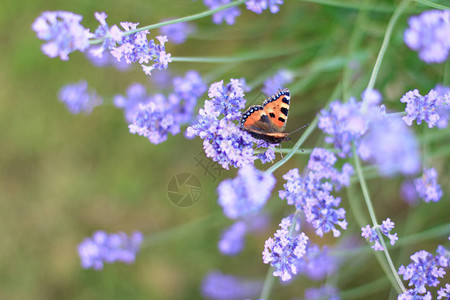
255,119
277,109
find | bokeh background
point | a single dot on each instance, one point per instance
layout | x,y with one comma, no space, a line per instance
64,176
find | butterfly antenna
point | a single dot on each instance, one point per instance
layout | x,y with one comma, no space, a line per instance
299,129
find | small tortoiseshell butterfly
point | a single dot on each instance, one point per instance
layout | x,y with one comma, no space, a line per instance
268,121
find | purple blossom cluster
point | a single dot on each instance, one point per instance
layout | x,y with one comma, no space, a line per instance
429,34
370,234
311,193
246,194
229,15
64,34
109,248
219,286
378,137
277,81
424,271
177,33
233,238
284,250
223,140
155,116
324,292
427,186
78,99
317,263
433,108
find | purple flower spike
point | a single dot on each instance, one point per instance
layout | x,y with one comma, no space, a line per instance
63,33
111,36
429,34
78,99
430,108
258,6
218,286
109,248
277,81
247,193
177,33
228,15
233,238
444,292
285,250
427,187
371,235
424,271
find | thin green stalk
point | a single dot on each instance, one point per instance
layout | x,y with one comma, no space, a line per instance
268,284
179,20
355,5
398,284
432,4
398,11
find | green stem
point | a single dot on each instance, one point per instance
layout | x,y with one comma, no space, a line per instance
358,5
398,284
432,4
179,20
398,11
268,284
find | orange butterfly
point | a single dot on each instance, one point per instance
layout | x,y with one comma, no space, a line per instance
268,121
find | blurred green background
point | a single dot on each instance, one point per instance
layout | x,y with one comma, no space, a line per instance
63,176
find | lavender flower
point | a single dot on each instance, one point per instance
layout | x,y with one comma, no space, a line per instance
78,99
188,89
152,120
218,286
136,94
345,123
444,292
177,33
106,60
391,146
63,33
371,235
228,15
429,34
224,141
258,6
246,194
324,292
277,81
317,263
429,108
312,194
110,36
232,240
109,248
137,48
424,271
284,250
427,187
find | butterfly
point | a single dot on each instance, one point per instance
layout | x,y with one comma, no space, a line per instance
268,121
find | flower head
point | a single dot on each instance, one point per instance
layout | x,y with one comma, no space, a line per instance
78,99
109,248
391,146
371,235
228,15
284,250
429,34
247,193
110,36
427,186
233,238
425,270
312,192
63,33
258,6
218,286
177,33
277,81
430,108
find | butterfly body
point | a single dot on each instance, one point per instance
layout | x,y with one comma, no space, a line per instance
267,122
